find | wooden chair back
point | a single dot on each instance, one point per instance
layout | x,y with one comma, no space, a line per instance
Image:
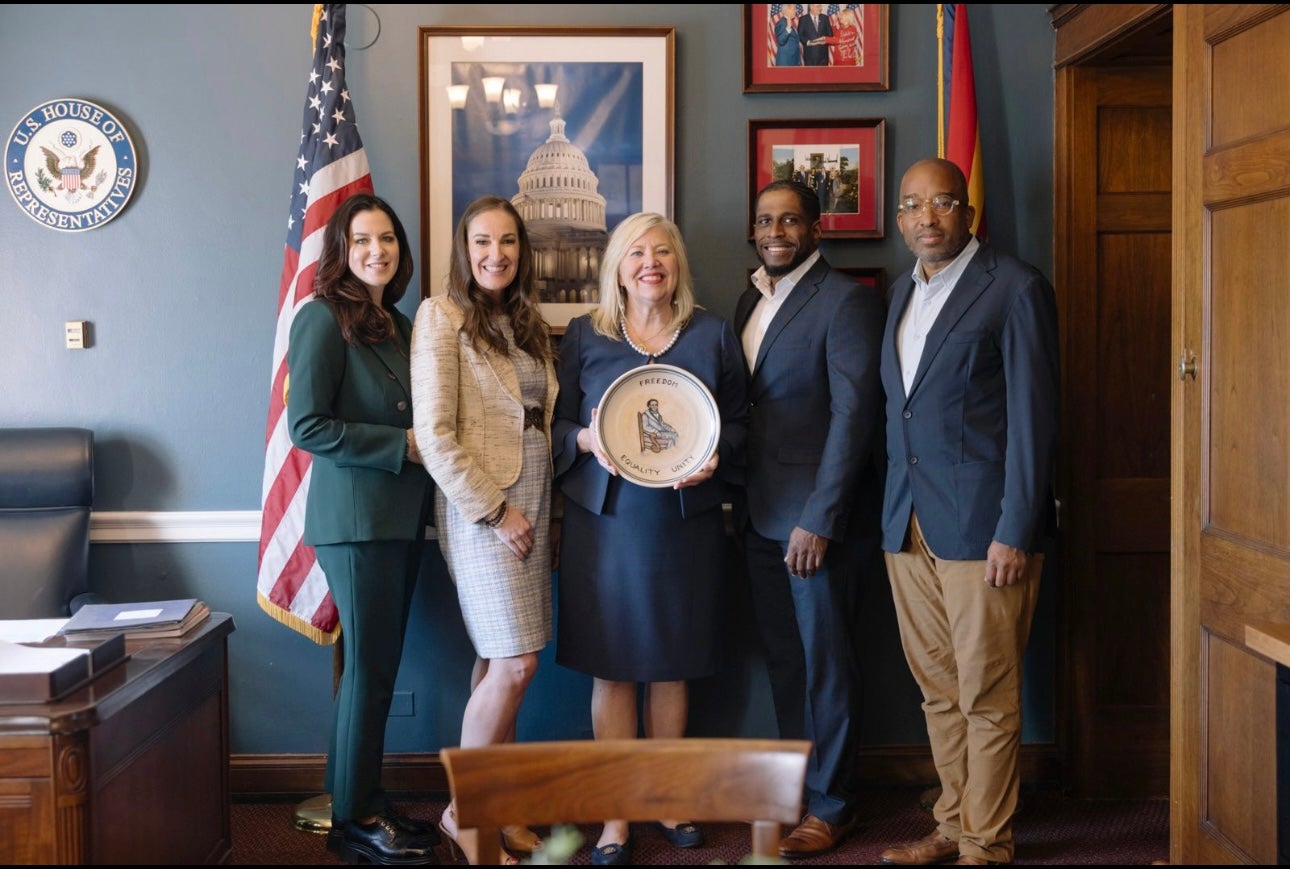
757,781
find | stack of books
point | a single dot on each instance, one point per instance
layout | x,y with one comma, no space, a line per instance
156,619
50,669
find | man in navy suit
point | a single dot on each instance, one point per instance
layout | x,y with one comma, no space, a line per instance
813,491
814,29
970,368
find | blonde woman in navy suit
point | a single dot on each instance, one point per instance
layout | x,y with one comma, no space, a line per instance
641,568
483,393
350,405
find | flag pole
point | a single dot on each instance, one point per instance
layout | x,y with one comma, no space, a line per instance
331,165
940,80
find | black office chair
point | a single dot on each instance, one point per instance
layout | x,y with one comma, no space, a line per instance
46,491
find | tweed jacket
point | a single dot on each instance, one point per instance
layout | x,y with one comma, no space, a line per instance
467,411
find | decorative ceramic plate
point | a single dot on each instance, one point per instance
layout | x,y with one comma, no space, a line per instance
658,423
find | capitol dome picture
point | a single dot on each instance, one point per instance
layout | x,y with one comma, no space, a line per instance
577,140
565,217
571,168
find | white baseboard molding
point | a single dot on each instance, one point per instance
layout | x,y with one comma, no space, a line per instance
208,526
203,526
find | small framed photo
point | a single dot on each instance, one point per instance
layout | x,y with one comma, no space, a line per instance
870,278
816,47
840,159
574,125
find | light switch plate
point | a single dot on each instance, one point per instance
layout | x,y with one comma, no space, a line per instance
75,334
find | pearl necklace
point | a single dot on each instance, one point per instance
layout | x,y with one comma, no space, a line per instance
622,323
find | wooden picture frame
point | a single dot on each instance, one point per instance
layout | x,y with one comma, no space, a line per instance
855,57
873,278
848,152
610,123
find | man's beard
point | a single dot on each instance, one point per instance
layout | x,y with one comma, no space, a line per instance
779,271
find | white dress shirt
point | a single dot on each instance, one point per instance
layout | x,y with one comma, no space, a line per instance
924,307
773,293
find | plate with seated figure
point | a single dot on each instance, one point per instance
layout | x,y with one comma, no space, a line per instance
658,424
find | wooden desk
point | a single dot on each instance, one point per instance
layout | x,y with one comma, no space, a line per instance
132,768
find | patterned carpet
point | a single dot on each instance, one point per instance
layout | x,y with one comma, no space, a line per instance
1050,829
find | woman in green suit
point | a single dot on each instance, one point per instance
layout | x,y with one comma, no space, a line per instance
350,405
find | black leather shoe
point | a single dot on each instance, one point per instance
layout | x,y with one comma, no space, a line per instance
421,829
385,843
333,835
427,830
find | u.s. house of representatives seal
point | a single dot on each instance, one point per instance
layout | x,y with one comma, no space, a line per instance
70,165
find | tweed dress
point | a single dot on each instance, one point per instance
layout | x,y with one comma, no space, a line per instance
506,602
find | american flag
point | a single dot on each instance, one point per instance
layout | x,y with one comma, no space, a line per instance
330,167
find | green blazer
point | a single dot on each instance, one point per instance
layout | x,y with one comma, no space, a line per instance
351,406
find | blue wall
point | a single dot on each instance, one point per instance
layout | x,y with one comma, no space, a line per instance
180,291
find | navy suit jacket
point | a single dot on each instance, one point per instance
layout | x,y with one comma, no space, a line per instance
814,55
815,405
971,448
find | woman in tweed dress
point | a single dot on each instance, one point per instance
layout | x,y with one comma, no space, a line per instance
483,394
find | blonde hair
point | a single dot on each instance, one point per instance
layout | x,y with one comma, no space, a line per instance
613,296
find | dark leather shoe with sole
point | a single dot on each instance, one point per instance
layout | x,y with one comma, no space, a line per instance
813,837
385,843
933,848
427,830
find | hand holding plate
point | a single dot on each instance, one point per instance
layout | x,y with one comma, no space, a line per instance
702,475
589,442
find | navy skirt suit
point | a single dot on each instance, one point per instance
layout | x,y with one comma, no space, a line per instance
641,568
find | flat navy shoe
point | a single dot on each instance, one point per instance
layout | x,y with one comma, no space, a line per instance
684,835
612,855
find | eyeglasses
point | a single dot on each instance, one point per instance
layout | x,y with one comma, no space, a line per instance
941,205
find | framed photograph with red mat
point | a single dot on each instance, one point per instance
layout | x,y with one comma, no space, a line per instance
840,159
800,47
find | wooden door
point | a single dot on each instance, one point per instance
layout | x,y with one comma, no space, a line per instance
1117,411
1113,279
1231,427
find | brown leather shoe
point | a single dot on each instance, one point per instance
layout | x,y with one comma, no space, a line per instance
813,837
933,848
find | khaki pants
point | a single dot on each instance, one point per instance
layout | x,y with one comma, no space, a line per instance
965,642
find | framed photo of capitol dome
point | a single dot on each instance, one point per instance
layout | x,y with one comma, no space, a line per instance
574,125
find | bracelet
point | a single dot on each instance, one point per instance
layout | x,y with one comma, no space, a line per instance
496,517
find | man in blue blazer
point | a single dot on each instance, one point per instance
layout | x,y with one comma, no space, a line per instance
811,337
970,368
814,28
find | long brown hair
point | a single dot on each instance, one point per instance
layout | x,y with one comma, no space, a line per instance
520,299
361,321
